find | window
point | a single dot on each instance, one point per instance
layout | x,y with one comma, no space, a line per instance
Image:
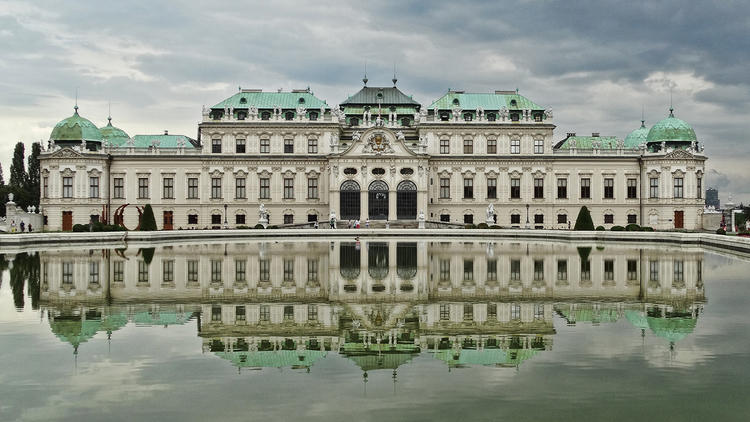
679,272
515,188
142,188
632,218
118,271
192,218
609,188
562,188
515,311
45,187
632,188
468,218
585,188
215,219
445,218
216,188
265,313
312,271
215,271
192,192
264,270
538,270
168,190
562,218
240,146
514,117
265,188
289,313
468,146
167,270
118,185
288,219
312,188
491,117
492,146
699,185
94,272
537,117
94,187
538,146
289,115
609,270
216,146
515,269
67,187
468,269
288,146
468,188
192,271
445,146
239,219
538,188
289,270
653,270
288,188
142,272
265,146
585,270
515,146
492,188
467,117
632,269
678,184
313,116
240,192
515,219
445,187
445,270
653,184
445,312
538,218
239,313
312,146
468,312
562,269
354,121
67,273
492,270
216,313
312,312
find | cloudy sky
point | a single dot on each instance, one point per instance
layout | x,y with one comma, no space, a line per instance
595,63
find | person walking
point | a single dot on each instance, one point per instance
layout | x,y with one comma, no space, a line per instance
367,223
22,225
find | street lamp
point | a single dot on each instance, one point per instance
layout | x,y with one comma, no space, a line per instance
528,225
226,225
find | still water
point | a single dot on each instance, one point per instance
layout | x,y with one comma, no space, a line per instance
375,330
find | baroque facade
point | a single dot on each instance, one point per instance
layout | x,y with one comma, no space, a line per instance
467,158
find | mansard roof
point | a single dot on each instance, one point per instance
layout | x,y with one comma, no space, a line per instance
372,95
489,101
256,97
587,142
164,141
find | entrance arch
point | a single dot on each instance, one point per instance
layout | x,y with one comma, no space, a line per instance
378,200
349,196
406,200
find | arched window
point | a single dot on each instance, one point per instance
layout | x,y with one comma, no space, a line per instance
513,103
354,121
289,115
243,100
266,115
301,100
405,121
491,117
455,101
313,116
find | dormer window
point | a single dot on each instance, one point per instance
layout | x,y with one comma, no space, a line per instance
455,101
301,100
380,95
313,116
289,115
513,103
491,117
405,121
266,115
243,100
538,117
354,121
514,117
241,115
467,117
444,117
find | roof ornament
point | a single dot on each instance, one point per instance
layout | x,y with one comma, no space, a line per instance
365,78
394,80
76,106
671,108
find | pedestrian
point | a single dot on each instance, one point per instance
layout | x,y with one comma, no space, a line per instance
22,225
29,227
568,224
367,223
356,223
315,224
12,226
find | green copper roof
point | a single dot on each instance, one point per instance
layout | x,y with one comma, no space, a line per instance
75,128
374,110
259,99
638,319
671,129
589,314
162,318
637,137
165,141
496,101
75,330
113,134
273,359
384,95
587,142
672,329
472,357
381,361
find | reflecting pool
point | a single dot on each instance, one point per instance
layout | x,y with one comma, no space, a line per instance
381,329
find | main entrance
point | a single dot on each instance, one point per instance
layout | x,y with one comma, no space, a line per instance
378,200
349,197
406,200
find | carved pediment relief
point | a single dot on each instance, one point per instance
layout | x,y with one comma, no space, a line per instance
66,153
679,154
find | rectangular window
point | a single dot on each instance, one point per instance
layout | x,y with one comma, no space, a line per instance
515,188
289,270
609,219
265,188
118,185
632,188
142,272
699,185
515,219
67,273
167,270
240,192
192,191
288,188
45,187
216,188
632,269
609,188
653,270
445,218
538,218
143,188
653,184
492,146
538,146
240,146
468,269
312,271
492,270
468,311
192,271
632,218
94,187
468,188
585,270
216,313
288,219
445,187
288,146
468,218
312,312
562,218
562,188
538,270
492,311
538,311
609,270
265,313
67,189
678,185
515,311
239,219
312,146
240,271
312,188
679,272
265,146
445,270
264,270
468,146
562,269
216,146
538,188
515,146
585,188
94,272
445,312
239,313
118,271
168,190
216,271
215,219
289,313
491,188
192,218
515,269
445,146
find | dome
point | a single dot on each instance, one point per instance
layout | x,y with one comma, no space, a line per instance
75,128
671,129
114,135
637,137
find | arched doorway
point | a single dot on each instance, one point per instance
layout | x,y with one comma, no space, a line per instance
406,200
349,196
378,200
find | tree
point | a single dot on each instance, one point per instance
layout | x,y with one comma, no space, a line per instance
584,221
17,168
33,175
3,193
148,222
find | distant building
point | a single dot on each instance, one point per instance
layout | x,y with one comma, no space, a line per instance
712,198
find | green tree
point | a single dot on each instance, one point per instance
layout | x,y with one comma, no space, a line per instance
148,222
584,221
33,175
3,193
17,168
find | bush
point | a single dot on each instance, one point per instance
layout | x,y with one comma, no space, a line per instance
242,227
78,228
584,221
495,226
148,222
647,229
633,228
719,231
470,226
258,226
600,228
617,229
483,226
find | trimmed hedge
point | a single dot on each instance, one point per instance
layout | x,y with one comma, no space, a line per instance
98,227
600,228
584,221
721,231
632,228
617,229
470,226
258,226
647,229
483,226
495,226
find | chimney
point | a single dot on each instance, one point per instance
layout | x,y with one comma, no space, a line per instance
166,132
595,134
571,134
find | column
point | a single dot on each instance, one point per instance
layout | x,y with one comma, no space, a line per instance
363,206
392,204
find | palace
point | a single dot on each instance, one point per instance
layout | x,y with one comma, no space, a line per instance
467,158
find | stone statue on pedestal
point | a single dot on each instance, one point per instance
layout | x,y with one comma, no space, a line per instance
490,214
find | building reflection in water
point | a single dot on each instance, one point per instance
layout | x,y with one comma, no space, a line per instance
378,303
